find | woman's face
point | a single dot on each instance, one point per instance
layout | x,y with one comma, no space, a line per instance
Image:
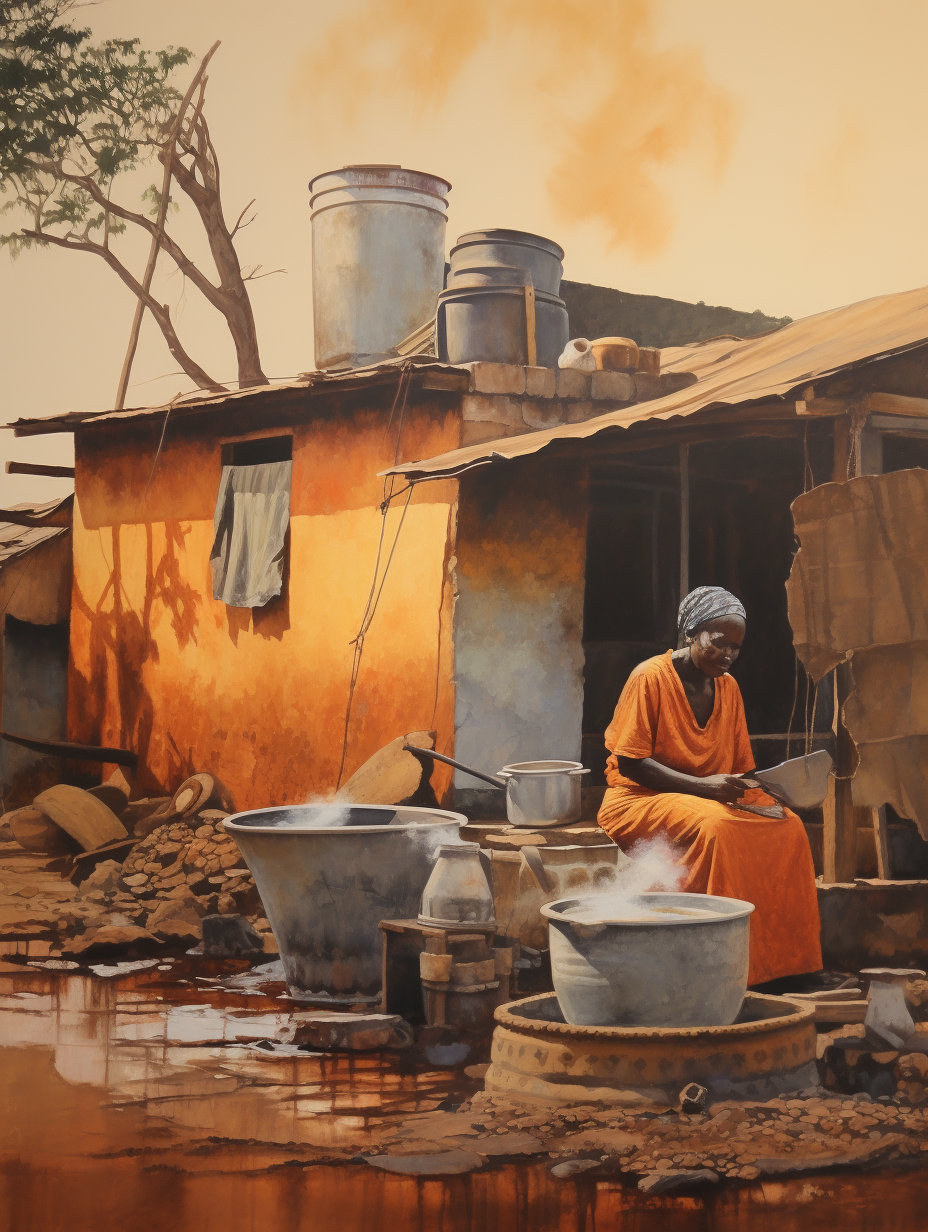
715,645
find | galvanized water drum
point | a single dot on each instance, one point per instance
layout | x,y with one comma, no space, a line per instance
501,303
378,259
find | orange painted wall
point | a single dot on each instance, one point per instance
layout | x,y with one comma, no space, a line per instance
258,698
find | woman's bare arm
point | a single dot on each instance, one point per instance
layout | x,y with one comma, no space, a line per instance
646,772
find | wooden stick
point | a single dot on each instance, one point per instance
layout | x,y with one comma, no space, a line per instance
16,517
33,468
75,752
530,326
156,238
881,837
684,521
840,815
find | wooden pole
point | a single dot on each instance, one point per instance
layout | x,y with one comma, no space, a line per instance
156,238
530,339
684,521
840,815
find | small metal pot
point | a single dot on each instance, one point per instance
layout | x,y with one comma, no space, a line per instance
542,793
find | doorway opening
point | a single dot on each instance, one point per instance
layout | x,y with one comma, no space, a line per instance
738,493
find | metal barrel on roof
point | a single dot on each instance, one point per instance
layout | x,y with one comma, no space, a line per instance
378,259
541,257
501,303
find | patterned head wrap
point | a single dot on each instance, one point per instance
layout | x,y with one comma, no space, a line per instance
703,604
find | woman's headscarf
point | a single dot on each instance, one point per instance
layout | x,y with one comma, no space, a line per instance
703,604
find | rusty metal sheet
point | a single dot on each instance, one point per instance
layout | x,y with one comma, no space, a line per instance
858,591
861,575
732,371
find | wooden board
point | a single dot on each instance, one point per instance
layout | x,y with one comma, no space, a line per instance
391,775
82,815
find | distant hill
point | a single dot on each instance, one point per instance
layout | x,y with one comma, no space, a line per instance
651,320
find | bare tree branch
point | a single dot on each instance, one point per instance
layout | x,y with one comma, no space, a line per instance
156,241
253,276
160,312
239,225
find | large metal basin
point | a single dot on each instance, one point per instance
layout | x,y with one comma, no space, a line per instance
326,888
664,970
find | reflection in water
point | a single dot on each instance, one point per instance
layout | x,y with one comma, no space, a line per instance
141,1105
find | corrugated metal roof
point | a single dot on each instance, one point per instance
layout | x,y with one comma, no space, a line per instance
18,540
730,372
278,392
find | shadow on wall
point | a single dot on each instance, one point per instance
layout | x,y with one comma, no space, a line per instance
120,640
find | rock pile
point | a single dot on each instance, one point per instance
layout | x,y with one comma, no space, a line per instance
810,1132
193,858
181,872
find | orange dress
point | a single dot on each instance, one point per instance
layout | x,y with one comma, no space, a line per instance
725,850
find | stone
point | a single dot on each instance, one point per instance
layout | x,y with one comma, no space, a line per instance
693,1097
442,1163
229,936
572,1167
647,387
337,1032
667,1179
487,378
137,879
510,1144
104,878
673,382
540,382
613,386
572,383
542,414
492,409
110,936
580,412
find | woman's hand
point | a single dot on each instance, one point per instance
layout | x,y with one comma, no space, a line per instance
725,788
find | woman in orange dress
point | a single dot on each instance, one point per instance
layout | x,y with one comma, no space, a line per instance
677,743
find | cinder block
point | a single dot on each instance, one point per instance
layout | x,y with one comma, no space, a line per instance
543,414
480,433
673,382
572,383
613,386
647,386
496,408
497,378
649,360
540,382
579,411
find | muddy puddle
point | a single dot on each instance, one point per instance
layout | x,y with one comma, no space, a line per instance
144,1102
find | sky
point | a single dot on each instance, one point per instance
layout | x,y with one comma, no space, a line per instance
746,154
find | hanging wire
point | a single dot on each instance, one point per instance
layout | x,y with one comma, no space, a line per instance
375,592
810,727
808,478
792,713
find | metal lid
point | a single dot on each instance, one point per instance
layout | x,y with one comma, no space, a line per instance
502,235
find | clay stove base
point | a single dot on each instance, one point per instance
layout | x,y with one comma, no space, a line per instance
536,1056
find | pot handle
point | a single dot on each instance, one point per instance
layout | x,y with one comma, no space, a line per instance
585,770
532,861
504,774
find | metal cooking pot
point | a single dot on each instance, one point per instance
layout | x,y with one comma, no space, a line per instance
542,793
538,793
